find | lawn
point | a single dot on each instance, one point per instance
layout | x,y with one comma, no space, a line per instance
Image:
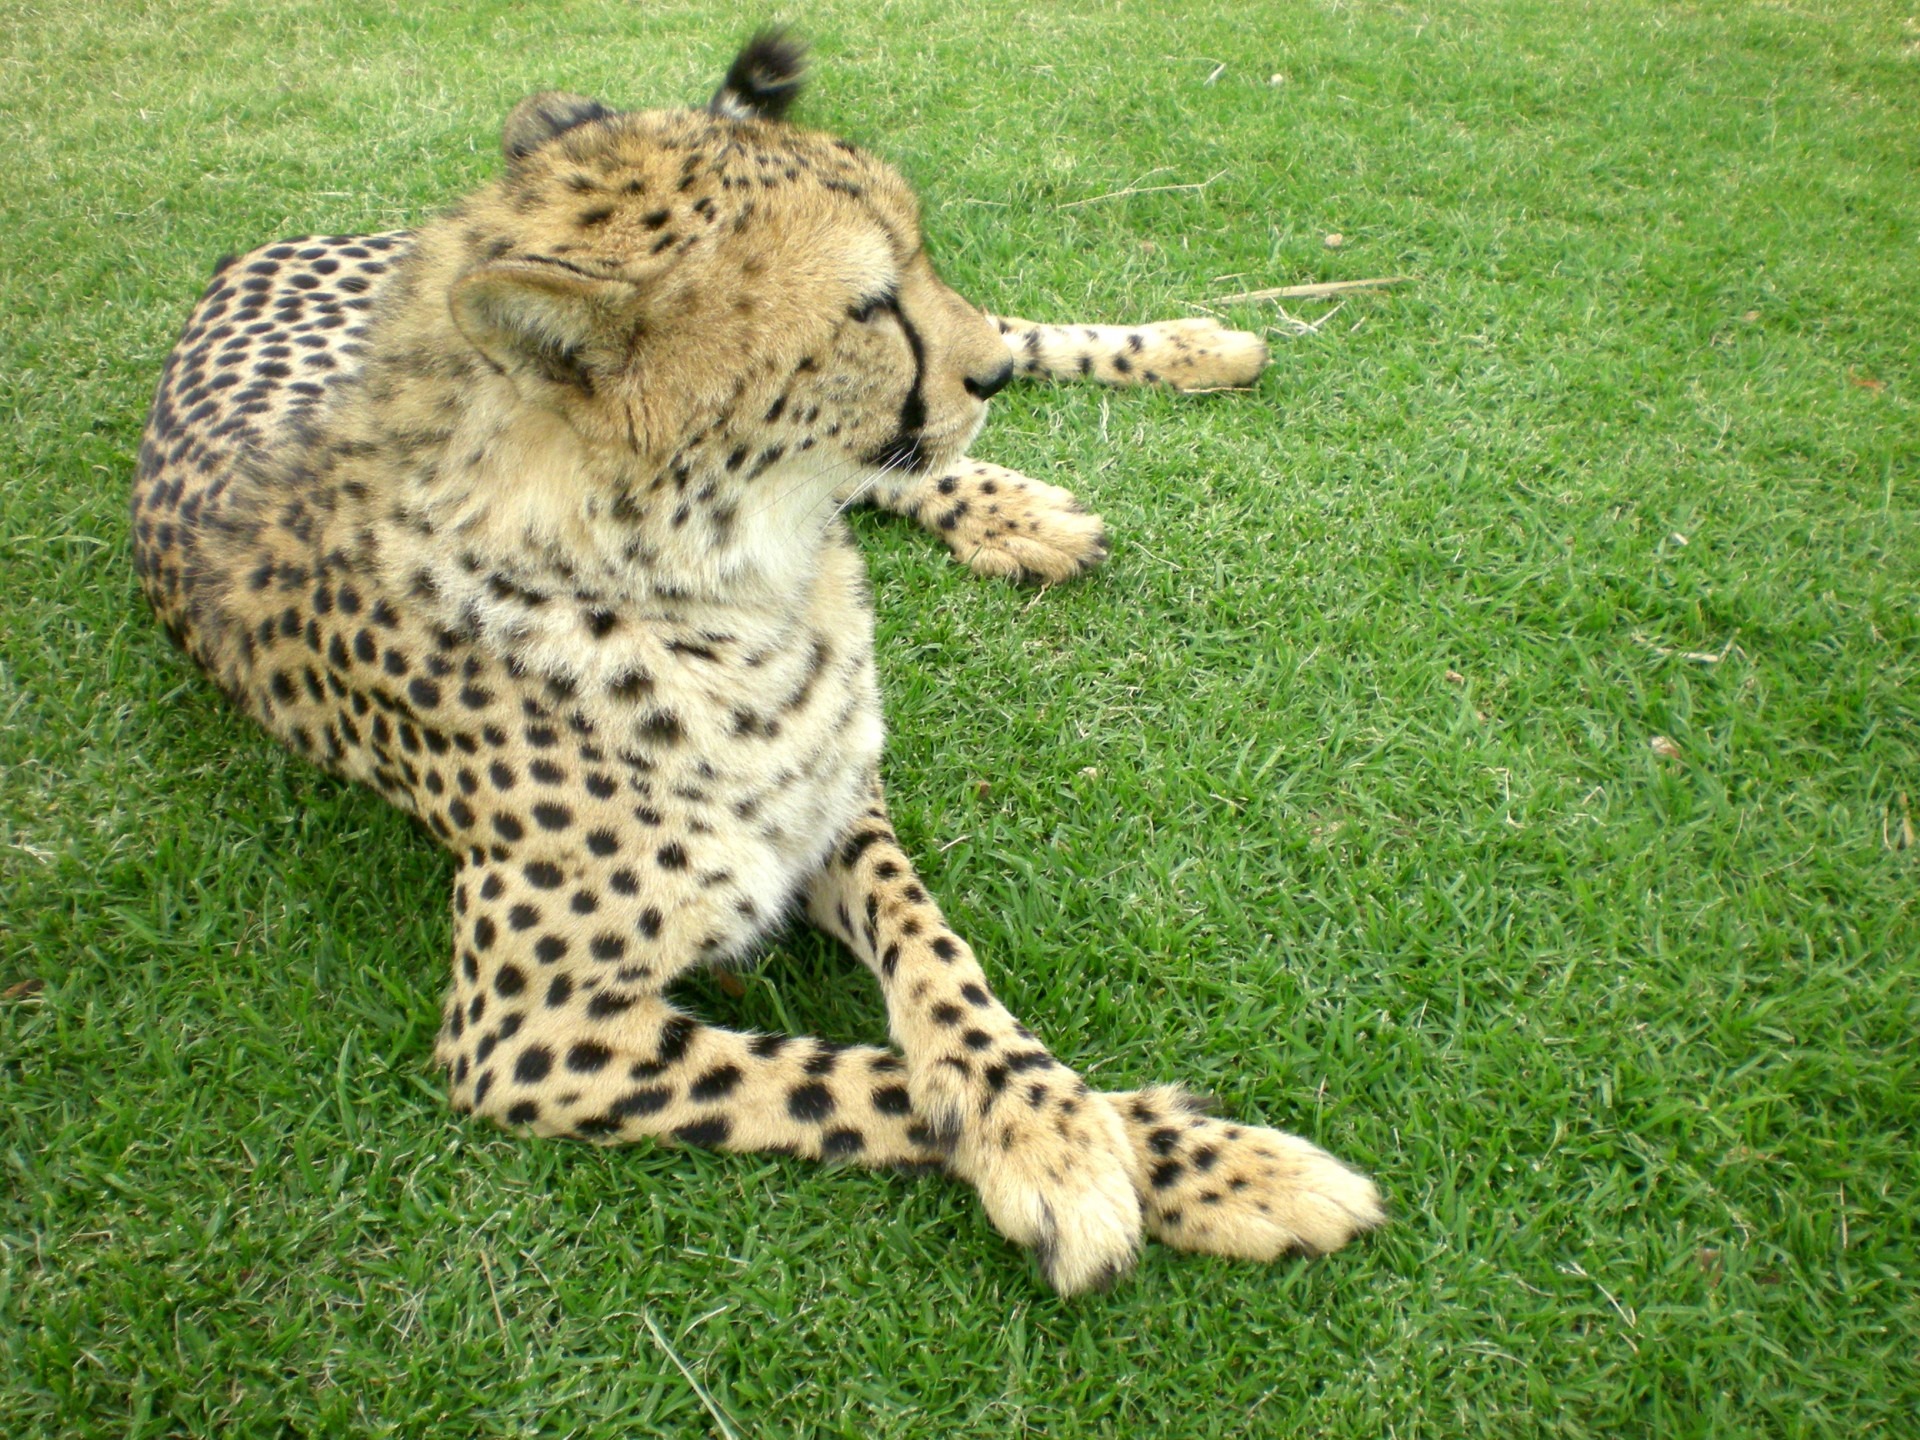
1492,750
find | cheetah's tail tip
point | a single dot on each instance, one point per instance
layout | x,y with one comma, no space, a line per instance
764,79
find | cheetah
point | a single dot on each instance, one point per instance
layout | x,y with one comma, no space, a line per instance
530,519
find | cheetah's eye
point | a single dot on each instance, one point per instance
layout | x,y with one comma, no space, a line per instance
873,305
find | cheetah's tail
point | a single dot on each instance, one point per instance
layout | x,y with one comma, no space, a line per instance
763,80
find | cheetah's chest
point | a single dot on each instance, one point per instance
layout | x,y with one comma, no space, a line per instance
700,762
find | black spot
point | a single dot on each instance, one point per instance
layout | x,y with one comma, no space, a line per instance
1165,1173
675,1036
524,1113
662,727
549,948
509,980
552,817
711,1131
671,856
588,1056
811,1102
600,842
542,875
893,1100
559,992
837,1144
532,1066
719,1081
648,1101
523,917
857,845
607,947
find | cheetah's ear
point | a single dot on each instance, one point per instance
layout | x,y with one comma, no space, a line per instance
538,118
530,314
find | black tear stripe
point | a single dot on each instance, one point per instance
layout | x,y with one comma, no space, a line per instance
902,451
913,409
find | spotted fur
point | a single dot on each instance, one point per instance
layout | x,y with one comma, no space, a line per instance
530,521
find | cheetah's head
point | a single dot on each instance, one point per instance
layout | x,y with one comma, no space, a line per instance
715,300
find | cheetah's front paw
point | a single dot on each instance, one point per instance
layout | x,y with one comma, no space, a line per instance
1052,1164
1201,354
999,522
1240,1190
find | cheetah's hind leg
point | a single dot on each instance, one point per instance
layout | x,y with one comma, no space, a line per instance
1193,354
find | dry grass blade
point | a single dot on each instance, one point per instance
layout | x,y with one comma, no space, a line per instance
1308,292
1702,657
1294,325
699,1390
1137,189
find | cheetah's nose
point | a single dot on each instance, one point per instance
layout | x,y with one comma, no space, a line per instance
986,389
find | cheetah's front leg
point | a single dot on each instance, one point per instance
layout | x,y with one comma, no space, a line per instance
1002,523
1050,1158
1205,1184
556,1022
1193,354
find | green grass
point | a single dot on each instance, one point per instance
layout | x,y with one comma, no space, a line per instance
1332,793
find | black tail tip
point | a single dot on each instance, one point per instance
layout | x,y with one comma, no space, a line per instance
764,79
